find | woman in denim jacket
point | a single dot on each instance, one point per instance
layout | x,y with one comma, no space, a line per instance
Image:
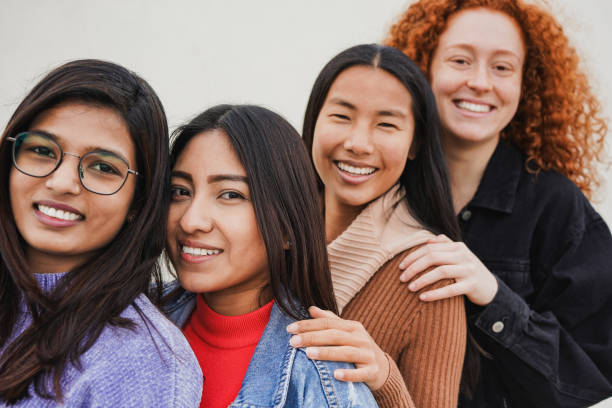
246,238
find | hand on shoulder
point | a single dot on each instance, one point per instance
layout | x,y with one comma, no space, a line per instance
329,337
441,258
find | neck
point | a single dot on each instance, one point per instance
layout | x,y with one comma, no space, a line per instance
42,262
235,303
338,216
466,164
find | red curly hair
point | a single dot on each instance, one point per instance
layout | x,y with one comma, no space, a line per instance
558,123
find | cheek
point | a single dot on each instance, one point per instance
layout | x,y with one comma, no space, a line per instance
326,138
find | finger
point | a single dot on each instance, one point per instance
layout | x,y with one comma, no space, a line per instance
431,259
346,354
362,374
439,238
327,338
434,275
449,291
321,323
316,312
428,253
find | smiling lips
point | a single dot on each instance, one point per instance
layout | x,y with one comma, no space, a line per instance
196,254
56,214
354,174
473,106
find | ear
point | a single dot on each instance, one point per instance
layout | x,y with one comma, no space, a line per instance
414,149
130,217
287,244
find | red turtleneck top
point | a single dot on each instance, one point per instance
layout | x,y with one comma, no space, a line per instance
224,346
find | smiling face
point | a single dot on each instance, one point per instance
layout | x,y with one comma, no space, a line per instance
213,239
476,74
362,137
62,223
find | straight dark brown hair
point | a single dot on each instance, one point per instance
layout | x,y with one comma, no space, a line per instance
285,200
67,321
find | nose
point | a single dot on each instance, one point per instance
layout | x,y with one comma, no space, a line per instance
65,179
479,79
197,218
359,140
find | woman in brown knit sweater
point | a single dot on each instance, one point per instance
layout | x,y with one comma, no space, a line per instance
373,132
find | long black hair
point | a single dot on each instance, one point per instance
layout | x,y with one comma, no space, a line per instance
425,178
284,196
67,321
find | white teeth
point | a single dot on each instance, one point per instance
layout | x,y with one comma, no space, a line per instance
199,251
356,170
474,107
59,214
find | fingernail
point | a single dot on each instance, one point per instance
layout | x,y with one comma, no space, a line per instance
403,278
412,286
295,341
338,374
424,296
312,352
292,328
402,266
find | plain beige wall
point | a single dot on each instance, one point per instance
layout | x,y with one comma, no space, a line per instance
197,53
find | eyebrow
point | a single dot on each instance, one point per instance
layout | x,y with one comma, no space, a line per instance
385,112
216,178
495,52
182,175
90,148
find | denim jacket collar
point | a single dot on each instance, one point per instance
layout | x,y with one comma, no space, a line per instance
498,187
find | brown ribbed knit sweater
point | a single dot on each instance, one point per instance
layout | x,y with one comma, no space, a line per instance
424,340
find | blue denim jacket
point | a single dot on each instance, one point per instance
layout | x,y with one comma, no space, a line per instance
280,375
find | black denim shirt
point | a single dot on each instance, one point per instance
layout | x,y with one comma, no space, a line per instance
549,327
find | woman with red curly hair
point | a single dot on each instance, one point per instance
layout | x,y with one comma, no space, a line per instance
522,134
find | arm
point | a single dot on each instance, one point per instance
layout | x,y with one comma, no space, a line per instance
560,343
432,361
555,349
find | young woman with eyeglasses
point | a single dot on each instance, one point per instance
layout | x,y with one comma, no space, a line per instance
246,238
84,200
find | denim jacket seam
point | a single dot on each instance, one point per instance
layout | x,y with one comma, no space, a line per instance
328,387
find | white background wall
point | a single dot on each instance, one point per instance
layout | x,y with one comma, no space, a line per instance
197,53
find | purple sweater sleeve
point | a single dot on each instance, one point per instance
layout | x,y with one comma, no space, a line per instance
151,366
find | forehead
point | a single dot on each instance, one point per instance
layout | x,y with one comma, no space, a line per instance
484,29
370,86
209,152
79,127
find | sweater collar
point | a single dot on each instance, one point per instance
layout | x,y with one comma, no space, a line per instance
49,281
382,230
229,331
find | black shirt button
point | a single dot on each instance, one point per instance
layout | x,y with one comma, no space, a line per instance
466,215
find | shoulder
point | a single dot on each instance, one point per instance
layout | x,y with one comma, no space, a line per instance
149,364
314,379
558,204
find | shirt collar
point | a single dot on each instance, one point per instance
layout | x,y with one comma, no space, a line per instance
497,189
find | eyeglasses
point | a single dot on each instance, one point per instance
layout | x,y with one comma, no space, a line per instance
38,155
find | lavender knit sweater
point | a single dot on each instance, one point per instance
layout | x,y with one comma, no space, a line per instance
128,368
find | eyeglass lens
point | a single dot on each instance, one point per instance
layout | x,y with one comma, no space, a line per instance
38,155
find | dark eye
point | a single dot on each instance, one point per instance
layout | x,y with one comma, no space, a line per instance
103,167
387,125
43,151
340,116
460,61
231,195
178,193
